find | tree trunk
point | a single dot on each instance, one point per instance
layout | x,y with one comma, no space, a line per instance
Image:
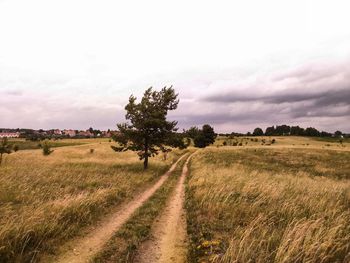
145,162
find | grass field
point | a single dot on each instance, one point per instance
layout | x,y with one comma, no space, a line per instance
280,204
45,200
31,145
287,201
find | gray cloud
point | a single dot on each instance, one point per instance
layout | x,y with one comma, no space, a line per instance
306,94
316,95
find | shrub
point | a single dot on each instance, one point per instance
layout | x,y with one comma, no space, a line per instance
5,148
273,141
15,147
92,150
46,148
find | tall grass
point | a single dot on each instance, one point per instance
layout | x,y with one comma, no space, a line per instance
45,200
240,210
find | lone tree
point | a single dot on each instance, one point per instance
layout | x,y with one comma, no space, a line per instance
147,130
5,147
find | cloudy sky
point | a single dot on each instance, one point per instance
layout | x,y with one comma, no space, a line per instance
235,64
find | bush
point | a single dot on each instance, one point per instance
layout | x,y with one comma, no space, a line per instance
273,141
15,148
224,143
92,150
46,148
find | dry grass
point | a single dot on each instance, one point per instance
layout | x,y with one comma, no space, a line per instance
47,199
285,141
269,205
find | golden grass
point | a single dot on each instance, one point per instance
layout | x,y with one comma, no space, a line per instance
47,199
272,205
286,141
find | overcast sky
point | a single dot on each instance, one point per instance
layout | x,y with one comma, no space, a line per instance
235,64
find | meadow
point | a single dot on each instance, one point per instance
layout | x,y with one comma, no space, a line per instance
45,200
270,203
248,201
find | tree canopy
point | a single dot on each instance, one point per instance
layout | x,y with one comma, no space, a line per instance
147,129
258,132
202,137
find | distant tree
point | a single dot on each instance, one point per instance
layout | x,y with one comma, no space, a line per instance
209,134
258,132
282,130
205,137
338,133
5,148
296,130
310,131
325,134
270,131
46,148
192,132
148,130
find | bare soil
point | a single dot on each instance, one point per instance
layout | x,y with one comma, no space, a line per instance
82,249
168,242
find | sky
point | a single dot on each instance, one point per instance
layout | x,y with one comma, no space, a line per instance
236,65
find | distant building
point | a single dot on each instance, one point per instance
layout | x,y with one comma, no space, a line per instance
70,133
9,134
85,134
57,132
107,134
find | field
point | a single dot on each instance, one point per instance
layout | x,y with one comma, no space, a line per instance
279,204
30,145
286,201
47,199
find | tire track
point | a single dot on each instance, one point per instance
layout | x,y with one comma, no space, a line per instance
82,249
169,237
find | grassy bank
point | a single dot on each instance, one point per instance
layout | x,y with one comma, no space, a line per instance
31,145
124,244
277,205
46,200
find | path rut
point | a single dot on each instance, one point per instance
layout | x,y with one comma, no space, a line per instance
82,249
169,235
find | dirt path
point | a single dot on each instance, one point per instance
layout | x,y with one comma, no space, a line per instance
82,249
169,235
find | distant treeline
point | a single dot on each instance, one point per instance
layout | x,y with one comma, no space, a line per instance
286,130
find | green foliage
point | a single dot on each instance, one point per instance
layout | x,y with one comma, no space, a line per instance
202,137
5,148
46,148
15,147
258,132
148,130
192,132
